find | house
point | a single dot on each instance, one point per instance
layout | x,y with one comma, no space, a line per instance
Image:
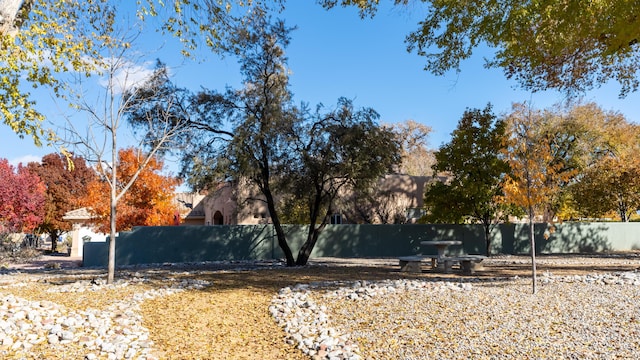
220,206
396,198
82,231
190,208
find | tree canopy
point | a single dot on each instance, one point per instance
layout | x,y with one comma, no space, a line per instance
558,147
474,169
417,158
66,189
271,143
531,161
41,42
22,199
567,45
610,182
39,39
340,151
611,186
149,200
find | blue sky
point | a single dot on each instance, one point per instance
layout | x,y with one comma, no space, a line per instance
335,53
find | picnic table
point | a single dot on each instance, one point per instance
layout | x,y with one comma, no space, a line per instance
412,263
442,261
441,246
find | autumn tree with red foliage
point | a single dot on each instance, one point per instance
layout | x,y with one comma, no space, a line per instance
66,183
147,202
22,199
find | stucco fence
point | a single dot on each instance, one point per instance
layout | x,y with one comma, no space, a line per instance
171,244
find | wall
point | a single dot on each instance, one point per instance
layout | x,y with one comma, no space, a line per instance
234,242
78,235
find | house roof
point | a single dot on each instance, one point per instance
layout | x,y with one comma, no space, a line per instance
190,205
78,214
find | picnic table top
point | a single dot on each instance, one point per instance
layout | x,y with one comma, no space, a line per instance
441,242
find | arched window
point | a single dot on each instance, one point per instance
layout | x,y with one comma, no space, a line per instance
218,219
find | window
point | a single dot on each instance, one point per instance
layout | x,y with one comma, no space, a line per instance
415,213
336,219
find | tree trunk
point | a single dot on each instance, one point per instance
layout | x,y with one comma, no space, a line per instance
307,247
113,203
487,237
8,13
282,242
282,239
533,249
111,268
314,233
622,210
54,241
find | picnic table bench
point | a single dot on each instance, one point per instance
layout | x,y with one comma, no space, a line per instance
469,264
413,263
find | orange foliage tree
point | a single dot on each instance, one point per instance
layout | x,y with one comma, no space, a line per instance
148,201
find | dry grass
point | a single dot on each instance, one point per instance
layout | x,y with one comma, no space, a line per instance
230,319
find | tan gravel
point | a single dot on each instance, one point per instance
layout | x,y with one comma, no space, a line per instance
230,319
496,321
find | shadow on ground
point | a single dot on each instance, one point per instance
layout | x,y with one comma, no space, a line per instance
270,276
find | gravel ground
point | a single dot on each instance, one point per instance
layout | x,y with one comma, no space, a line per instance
494,320
389,315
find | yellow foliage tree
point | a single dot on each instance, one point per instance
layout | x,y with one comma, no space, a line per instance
610,185
537,173
534,172
42,40
37,40
525,186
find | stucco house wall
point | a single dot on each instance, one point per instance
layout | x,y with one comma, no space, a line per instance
239,203
82,231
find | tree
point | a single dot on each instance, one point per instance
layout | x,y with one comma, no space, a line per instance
475,167
273,142
566,45
22,199
529,160
90,37
548,151
343,151
417,159
66,188
148,201
41,41
562,166
611,181
564,145
118,95
611,185
261,114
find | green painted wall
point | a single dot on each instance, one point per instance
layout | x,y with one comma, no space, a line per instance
162,244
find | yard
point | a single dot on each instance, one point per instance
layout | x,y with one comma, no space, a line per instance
228,316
